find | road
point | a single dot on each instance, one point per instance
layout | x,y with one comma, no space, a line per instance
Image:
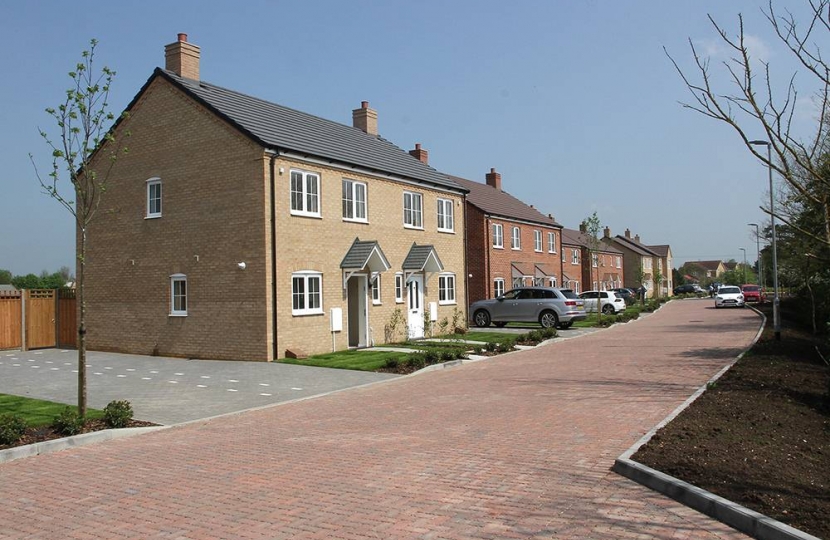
517,446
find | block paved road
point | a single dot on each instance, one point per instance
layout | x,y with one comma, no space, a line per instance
518,446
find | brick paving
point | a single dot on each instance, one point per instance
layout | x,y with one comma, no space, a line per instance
519,446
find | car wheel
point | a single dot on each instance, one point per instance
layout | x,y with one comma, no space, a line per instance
548,319
500,324
607,309
481,318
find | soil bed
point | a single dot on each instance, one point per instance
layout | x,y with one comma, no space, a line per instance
47,433
760,435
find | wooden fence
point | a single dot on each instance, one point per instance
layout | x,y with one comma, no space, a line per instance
38,318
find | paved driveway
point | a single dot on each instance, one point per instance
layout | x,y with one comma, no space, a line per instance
518,446
168,390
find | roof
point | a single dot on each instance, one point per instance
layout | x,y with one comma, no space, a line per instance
661,250
280,128
578,238
364,254
707,265
500,203
423,257
636,247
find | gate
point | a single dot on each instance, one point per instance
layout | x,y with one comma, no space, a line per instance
11,320
38,318
40,312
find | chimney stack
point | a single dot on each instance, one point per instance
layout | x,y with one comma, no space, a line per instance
628,233
493,179
583,227
420,154
182,58
365,119
606,232
637,238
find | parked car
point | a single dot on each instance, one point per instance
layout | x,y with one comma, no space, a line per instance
729,296
610,301
689,288
753,293
549,306
628,295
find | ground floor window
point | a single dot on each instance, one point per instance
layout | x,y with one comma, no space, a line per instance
446,289
178,295
518,282
498,287
399,288
376,290
306,293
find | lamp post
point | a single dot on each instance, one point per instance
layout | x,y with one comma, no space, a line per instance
743,272
758,251
776,301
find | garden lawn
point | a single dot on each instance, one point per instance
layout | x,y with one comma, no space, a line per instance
37,412
361,360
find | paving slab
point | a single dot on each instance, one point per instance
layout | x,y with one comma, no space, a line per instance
515,446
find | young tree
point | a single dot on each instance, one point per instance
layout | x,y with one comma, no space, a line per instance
592,227
84,151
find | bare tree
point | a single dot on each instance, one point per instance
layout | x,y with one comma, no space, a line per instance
591,227
84,152
755,107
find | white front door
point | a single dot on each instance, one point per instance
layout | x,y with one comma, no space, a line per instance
415,307
357,311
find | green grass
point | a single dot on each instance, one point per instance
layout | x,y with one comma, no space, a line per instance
37,412
485,336
360,360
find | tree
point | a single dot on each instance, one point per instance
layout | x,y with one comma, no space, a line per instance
757,109
5,277
84,152
591,227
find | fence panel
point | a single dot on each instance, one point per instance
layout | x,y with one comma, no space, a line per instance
40,318
67,319
11,320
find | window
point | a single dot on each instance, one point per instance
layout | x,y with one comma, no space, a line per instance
354,200
537,240
446,289
376,290
399,288
551,242
305,194
594,258
178,295
498,236
553,281
413,210
306,293
498,287
154,198
646,263
574,256
619,261
516,238
445,216
564,258
518,282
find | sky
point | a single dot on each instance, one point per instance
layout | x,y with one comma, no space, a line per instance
574,102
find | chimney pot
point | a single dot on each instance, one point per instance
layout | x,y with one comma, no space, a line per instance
365,119
182,58
493,179
182,37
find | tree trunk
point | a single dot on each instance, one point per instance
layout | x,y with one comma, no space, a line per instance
82,326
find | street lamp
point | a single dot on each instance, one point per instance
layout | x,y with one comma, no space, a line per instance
776,301
758,250
743,273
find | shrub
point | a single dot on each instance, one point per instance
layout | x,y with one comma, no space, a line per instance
505,346
459,321
490,346
548,333
478,349
415,361
68,422
535,336
391,363
448,354
431,357
12,428
117,414
443,324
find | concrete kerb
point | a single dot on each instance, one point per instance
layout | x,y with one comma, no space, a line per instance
739,517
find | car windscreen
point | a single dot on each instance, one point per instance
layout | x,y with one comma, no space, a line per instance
569,294
752,288
729,290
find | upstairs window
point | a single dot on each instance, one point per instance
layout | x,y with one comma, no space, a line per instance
178,295
305,194
537,240
516,239
413,210
619,261
574,256
445,215
354,201
594,262
551,242
498,236
154,198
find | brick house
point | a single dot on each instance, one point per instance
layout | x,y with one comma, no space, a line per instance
710,270
664,265
509,243
639,261
572,260
605,270
240,229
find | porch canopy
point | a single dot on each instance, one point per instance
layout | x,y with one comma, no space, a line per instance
522,270
363,256
422,258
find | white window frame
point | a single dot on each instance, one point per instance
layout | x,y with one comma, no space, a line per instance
446,218
574,256
518,282
154,213
552,281
537,240
594,262
307,276
516,239
619,261
351,203
413,217
178,309
377,298
446,289
498,287
399,288
309,201
498,236
551,242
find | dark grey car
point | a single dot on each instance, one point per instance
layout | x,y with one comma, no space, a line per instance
549,306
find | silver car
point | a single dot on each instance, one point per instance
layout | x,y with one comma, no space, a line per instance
549,306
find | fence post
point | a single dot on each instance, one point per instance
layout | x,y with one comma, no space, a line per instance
57,318
23,300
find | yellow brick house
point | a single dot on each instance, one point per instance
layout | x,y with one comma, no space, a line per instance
236,228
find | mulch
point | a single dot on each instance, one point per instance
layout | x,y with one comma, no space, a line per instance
47,433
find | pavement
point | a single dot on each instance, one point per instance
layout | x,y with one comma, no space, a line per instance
515,446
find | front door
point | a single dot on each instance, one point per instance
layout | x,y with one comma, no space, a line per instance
415,307
358,314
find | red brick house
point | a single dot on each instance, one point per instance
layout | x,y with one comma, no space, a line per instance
603,270
509,243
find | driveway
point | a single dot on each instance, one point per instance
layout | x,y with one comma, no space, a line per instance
516,446
169,390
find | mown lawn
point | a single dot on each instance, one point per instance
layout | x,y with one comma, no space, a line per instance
38,412
361,360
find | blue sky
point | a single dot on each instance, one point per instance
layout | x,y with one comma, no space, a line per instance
573,102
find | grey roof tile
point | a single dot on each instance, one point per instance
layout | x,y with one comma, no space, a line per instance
360,252
418,257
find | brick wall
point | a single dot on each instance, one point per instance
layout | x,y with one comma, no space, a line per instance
574,271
